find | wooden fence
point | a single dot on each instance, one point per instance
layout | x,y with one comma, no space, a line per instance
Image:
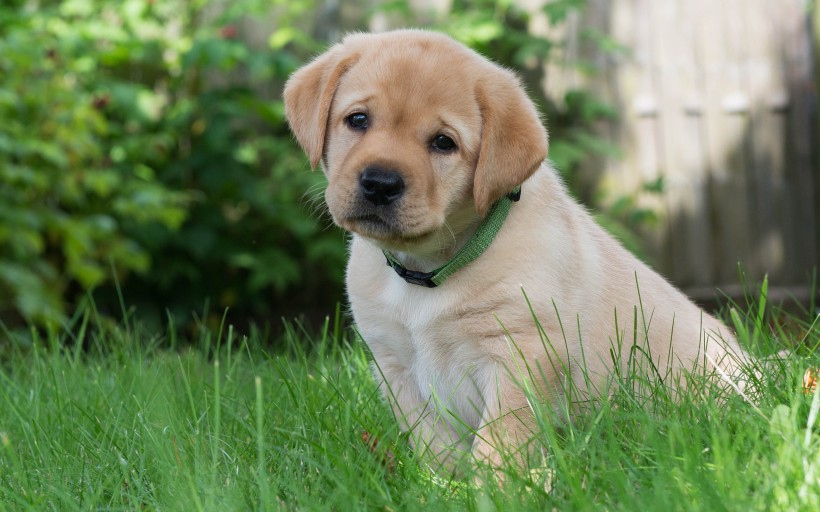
718,98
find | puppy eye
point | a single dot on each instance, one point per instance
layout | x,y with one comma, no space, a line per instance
357,121
443,143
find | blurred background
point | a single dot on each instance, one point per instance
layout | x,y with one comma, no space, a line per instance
146,166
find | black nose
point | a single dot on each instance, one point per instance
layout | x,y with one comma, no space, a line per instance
380,186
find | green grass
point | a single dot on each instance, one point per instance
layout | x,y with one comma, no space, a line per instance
110,418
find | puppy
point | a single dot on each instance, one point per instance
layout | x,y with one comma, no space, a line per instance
473,276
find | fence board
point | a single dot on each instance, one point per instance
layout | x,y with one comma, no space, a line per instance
717,97
801,133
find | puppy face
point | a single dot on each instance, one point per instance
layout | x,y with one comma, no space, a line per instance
418,135
401,148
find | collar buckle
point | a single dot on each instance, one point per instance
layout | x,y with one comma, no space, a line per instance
412,276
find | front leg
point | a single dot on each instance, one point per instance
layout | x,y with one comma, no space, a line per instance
508,421
507,424
431,434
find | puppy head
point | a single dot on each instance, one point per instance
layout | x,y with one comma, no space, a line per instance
417,135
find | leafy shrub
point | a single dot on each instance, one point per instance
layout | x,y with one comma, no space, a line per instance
65,197
145,137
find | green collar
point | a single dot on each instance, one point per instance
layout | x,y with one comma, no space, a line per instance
481,239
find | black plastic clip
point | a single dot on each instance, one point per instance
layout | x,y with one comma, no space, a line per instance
412,276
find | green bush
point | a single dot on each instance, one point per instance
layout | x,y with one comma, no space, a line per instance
66,194
145,140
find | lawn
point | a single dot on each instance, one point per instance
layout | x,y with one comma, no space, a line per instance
102,417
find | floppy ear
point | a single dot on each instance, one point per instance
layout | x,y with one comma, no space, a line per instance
513,140
308,95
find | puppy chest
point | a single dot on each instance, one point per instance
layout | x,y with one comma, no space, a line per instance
443,367
450,381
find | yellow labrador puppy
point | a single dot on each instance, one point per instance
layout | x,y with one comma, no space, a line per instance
435,160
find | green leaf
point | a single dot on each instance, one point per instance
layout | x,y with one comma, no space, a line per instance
282,36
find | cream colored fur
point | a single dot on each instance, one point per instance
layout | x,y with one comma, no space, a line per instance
449,359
